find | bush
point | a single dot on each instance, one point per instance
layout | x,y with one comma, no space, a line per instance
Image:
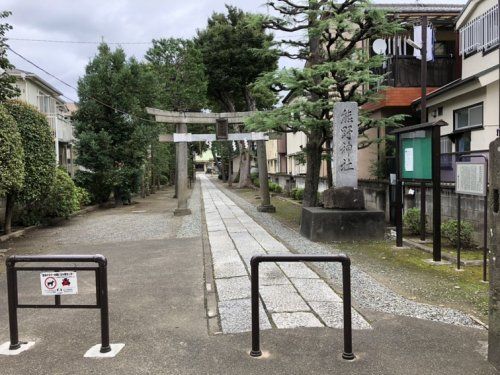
411,221
83,196
39,155
255,181
297,194
275,187
449,230
63,197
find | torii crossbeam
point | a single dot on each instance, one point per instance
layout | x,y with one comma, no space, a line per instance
182,137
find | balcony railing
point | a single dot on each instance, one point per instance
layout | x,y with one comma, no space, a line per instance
61,128
404,71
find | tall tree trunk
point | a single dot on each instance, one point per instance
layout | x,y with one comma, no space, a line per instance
329,173
9,210
245,154
313,160
314,140
245,161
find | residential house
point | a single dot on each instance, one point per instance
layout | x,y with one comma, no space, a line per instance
47,99
403,69
402,87
470,104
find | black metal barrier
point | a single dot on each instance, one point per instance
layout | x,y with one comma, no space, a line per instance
346,287
101,277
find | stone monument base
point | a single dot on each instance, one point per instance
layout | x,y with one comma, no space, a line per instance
182,212
346,198
266,208
320,224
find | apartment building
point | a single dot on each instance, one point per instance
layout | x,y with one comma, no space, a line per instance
46,98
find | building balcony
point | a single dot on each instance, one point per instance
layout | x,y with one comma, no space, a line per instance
405,71
61,128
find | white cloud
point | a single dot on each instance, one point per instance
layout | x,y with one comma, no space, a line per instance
113,20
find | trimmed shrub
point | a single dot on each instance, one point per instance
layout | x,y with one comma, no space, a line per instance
11,155
449,230
39,154
63,198
411,221
297,194
83,196
273,186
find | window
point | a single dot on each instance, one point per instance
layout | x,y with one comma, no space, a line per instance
468,117
46,104
481,33
463,142
446,157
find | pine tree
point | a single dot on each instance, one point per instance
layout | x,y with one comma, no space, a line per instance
337,68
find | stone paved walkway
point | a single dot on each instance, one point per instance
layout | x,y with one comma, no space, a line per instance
292,295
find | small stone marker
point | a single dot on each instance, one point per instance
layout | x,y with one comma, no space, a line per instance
345,144
58,283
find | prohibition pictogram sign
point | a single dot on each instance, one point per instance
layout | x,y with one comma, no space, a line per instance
50,283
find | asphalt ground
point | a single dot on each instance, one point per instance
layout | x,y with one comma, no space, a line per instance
157,308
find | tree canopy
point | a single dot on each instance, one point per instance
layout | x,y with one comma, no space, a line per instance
337,68
179,71
236,50
112,138
7,88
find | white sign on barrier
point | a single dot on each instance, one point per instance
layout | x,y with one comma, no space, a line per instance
470,178
58,283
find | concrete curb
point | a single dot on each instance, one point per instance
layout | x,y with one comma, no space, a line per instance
213,319
23,231
451,259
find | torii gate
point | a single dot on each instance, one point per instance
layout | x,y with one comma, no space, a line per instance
221,120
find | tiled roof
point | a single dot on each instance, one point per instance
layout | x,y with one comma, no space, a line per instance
420,8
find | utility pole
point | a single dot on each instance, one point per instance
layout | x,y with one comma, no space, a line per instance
423,116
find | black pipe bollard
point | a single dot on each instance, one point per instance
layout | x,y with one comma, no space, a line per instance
346,287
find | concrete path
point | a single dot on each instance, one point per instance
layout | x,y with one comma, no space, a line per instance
293,295
157,309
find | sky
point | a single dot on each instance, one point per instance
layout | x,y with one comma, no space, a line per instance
124,21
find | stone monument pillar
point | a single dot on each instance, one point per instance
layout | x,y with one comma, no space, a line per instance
494,220
345,193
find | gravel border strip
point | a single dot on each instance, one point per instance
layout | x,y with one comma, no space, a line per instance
366,291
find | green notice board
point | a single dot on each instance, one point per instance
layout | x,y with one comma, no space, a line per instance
416,155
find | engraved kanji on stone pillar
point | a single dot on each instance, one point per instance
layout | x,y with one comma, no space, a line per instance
345,145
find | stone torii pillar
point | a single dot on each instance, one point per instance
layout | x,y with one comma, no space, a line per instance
182,175
265,205
182,137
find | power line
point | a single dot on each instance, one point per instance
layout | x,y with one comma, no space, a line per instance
74,88
74,41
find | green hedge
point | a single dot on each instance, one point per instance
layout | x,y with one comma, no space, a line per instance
63,198
449,230
11,155
297,194
411,221
275,187
39,153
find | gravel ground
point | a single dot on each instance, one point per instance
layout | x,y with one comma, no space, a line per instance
366,291
191,224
